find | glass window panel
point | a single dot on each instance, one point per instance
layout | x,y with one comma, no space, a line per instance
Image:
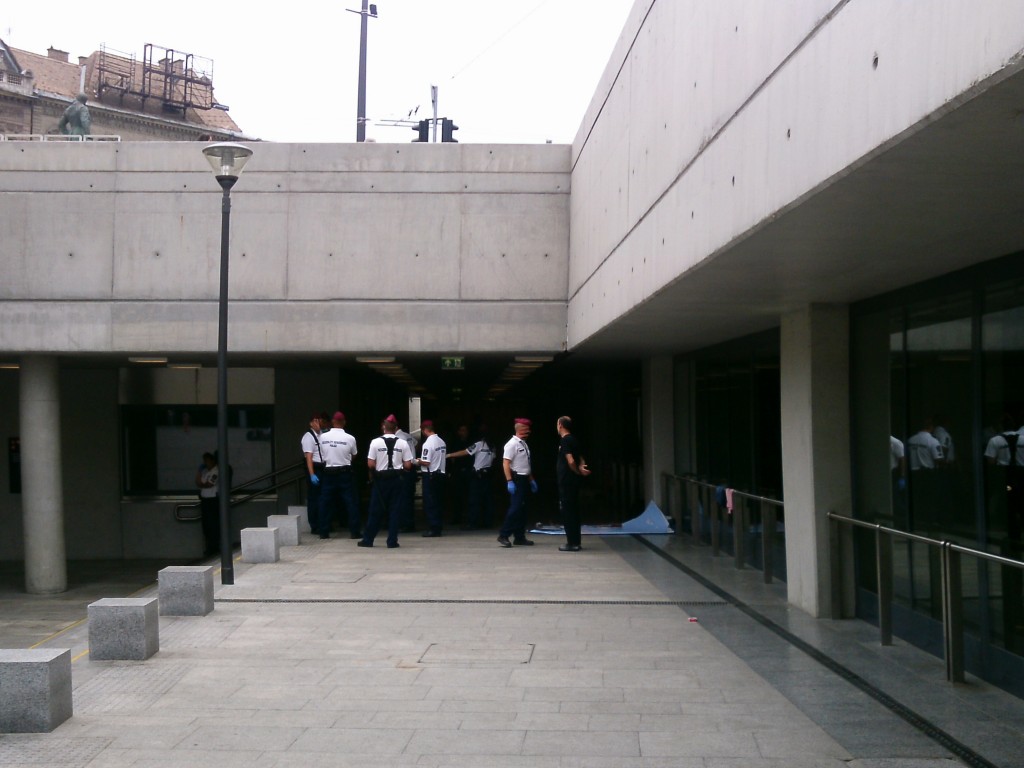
939,417
1003,440
163,445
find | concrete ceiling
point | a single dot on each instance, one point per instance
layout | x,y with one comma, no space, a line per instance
943,196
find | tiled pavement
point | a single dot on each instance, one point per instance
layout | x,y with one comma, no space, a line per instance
455,653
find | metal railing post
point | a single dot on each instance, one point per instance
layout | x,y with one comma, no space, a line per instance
682,501
768,540
709,494
693,500
883,561
666,494
952,614
739,531
835,567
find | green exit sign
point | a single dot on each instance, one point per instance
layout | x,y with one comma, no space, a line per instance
452,363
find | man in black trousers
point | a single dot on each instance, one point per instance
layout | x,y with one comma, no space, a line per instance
569,468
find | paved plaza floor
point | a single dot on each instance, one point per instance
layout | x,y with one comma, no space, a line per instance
452,652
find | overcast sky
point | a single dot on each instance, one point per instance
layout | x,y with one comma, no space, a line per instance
506,72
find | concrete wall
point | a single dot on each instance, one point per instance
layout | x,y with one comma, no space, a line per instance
712,118
115,248
98,522
12,540
815,410
91,460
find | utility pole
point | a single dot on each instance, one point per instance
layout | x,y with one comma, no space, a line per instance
366,12
433,100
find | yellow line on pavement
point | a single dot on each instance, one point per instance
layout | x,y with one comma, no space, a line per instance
57,634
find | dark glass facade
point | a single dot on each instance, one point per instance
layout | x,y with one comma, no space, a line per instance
937,375
728,401
736,414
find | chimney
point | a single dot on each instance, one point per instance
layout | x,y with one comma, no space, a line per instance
57,54
83,60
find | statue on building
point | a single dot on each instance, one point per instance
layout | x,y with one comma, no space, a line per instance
76,121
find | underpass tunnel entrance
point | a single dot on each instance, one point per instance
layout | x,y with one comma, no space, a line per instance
482,394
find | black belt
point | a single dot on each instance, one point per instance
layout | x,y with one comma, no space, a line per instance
519,474
337,470
318,465
383,474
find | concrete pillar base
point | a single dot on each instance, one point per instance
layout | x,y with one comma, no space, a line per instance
185,590
35,689
123,628
261,545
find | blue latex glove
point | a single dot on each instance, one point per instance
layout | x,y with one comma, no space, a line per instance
314,480
511,487
902,483
533,486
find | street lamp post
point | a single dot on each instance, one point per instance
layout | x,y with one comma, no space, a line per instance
227,160
368,11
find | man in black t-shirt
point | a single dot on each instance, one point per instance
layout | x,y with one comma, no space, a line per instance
569,468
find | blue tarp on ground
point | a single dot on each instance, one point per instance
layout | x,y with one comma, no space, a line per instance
651,521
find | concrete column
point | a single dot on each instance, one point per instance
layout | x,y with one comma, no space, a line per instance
42,497
658,425
815,374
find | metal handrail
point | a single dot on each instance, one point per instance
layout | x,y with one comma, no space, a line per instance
702,491
268,475
248,497
952,586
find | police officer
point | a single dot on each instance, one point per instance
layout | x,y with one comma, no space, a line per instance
459,475
408,518
314,456
925,457
338,489
569,468
387,457
432,461
480,508
520,483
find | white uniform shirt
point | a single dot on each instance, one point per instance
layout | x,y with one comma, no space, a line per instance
338,447
518,453
310,445
435,452
403,435
946,441
924,451
998,449
379,453
895,452
208,476
483,455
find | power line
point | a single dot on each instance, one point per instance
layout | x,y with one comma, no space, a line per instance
501,37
